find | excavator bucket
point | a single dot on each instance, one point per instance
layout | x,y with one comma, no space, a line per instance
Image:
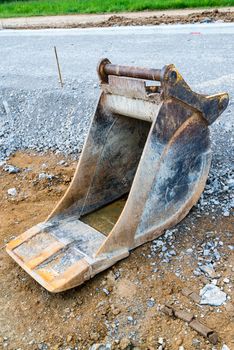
143,166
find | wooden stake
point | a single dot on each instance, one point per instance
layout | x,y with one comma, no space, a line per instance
59,71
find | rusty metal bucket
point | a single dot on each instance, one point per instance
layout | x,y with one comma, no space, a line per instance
143,166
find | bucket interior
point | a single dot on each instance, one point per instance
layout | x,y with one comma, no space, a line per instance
115,172
104,219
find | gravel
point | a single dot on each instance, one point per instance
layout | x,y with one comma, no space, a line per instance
151,302
45,176
225,347
100,347
11,169
44,120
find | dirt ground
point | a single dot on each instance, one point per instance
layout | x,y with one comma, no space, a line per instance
121,306
206,16
120,19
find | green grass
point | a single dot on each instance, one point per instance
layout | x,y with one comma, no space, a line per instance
58,7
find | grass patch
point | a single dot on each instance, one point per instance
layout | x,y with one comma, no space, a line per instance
59,7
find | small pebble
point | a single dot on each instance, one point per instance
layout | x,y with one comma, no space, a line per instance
226,280
106,291
11,169
12,192
225,347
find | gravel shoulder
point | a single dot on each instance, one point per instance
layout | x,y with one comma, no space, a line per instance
225,14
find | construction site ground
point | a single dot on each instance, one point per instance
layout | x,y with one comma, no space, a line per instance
120,308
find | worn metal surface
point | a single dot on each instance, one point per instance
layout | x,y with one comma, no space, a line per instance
147,141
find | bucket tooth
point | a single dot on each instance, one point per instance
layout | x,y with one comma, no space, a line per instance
143,166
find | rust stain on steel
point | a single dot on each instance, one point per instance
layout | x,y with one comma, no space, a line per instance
133,72
45,254
148,142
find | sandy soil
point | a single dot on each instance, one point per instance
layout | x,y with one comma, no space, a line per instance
128,317
120,19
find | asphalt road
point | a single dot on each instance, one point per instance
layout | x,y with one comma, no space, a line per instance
203,53
29,88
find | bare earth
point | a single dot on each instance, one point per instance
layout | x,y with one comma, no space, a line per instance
130,316
225,14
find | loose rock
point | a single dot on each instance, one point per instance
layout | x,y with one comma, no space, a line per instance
212,295
12,192
225,347
11,169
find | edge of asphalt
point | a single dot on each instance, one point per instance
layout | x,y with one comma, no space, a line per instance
63,21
